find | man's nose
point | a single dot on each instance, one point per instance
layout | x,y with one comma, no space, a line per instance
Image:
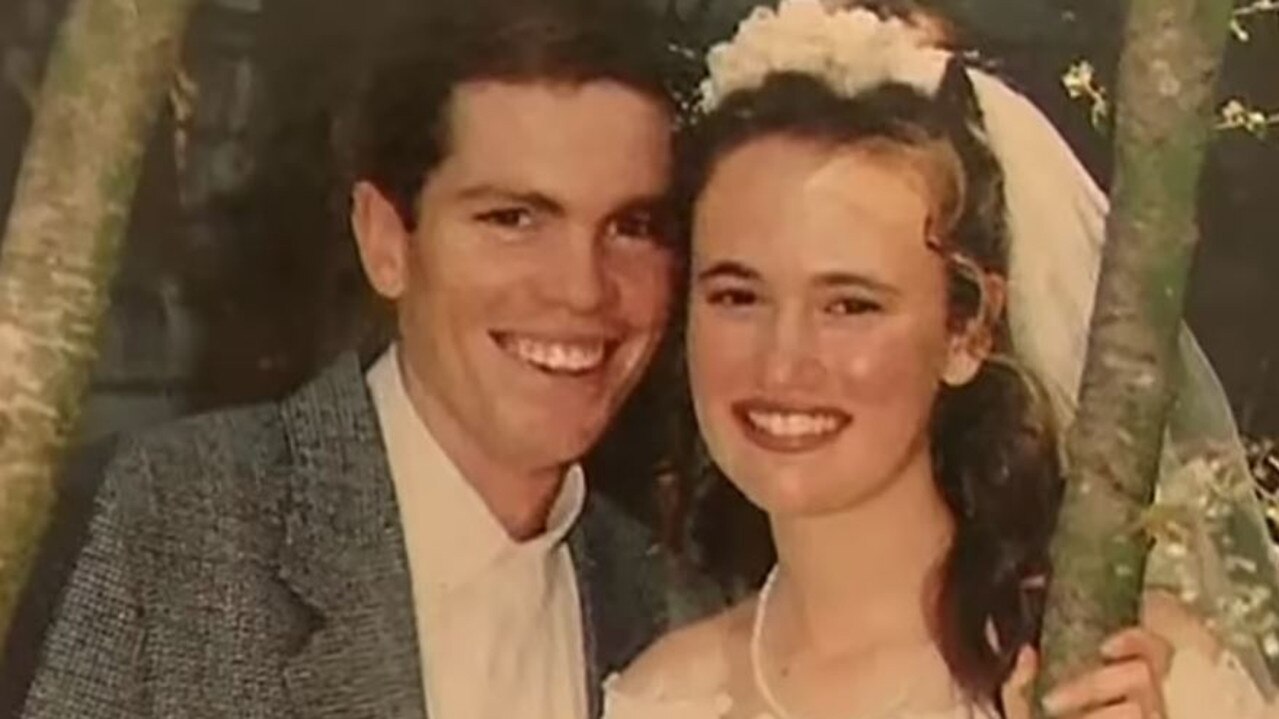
582,276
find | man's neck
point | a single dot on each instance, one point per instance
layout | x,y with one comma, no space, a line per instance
521,504
520,499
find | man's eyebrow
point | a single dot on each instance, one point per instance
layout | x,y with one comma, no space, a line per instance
497,193
838,279
656,202
728,268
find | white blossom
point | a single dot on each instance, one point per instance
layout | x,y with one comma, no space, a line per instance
850,50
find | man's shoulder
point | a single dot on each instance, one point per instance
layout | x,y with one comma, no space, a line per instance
621,551
179,477
204,442
237,452
618,553
606,522
221,433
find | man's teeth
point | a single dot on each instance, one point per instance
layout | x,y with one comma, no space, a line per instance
794,424
559,356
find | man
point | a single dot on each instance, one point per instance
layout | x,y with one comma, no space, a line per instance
416,537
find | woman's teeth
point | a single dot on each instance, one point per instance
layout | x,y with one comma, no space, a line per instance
794,424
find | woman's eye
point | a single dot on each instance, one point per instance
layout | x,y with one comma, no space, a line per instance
508,217
732,297
853,306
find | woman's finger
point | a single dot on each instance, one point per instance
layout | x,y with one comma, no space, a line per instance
1139,642
1130,680
1016,689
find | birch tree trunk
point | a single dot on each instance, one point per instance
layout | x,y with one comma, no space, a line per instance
107,74
1172,52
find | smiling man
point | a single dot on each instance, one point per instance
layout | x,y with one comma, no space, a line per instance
415,536
532,275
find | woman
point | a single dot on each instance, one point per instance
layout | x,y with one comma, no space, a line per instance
853,252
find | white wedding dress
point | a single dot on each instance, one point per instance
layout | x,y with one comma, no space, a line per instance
1196,687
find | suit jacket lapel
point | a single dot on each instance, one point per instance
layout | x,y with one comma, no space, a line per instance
344,557
622,585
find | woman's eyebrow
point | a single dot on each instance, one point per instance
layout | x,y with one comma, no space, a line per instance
728,268
837,279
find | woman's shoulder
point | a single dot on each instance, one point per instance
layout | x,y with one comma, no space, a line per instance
689,662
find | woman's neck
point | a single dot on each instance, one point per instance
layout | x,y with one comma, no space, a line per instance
866,576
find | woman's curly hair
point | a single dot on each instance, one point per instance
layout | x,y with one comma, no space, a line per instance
993,442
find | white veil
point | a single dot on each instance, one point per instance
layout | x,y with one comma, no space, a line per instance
1212,547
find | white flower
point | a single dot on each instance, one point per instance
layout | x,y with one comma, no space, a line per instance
849,50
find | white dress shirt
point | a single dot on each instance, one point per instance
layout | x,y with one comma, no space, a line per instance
499,621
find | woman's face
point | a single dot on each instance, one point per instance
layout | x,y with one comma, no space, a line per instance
817,335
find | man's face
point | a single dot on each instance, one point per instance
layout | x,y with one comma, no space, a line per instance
536,284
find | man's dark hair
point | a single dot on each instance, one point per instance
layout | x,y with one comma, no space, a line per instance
397,131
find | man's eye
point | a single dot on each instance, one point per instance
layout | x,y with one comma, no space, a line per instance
640,225
507,217
853,306
732,297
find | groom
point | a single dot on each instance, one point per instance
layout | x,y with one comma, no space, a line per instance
415,536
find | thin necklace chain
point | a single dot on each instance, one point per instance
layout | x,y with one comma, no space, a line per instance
757,659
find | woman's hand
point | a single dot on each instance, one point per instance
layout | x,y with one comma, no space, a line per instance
1128,686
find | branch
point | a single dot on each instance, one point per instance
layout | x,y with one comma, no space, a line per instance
101,95
1167,74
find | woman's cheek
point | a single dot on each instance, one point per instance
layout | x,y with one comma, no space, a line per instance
883,367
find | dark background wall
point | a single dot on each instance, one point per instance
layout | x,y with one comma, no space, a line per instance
239,280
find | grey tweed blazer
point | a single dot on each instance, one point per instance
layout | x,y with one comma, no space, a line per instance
251,563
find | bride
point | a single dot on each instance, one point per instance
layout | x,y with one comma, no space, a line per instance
887,248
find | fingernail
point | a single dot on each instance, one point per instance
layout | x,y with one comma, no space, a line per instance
1110,647
1026,658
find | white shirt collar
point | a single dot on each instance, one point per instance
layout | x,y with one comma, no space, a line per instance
461,536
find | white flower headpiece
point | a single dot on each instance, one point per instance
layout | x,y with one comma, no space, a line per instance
849,50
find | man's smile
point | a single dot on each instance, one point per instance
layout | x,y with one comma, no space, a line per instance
557,355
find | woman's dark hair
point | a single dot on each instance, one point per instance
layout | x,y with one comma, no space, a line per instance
993,444
396,131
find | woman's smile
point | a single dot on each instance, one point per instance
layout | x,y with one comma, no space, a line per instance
780,427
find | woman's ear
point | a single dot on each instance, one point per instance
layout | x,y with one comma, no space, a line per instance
971,344
382,239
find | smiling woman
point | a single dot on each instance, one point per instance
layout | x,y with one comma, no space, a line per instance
837,341
817,320
872,312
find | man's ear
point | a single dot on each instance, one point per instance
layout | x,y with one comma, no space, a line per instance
972,344
382,239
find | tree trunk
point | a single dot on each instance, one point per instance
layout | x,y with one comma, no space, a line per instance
102,90
1167,77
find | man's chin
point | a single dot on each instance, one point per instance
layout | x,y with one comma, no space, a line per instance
559,420
553,442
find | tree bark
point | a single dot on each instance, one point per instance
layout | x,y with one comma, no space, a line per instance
108,71
1167,75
